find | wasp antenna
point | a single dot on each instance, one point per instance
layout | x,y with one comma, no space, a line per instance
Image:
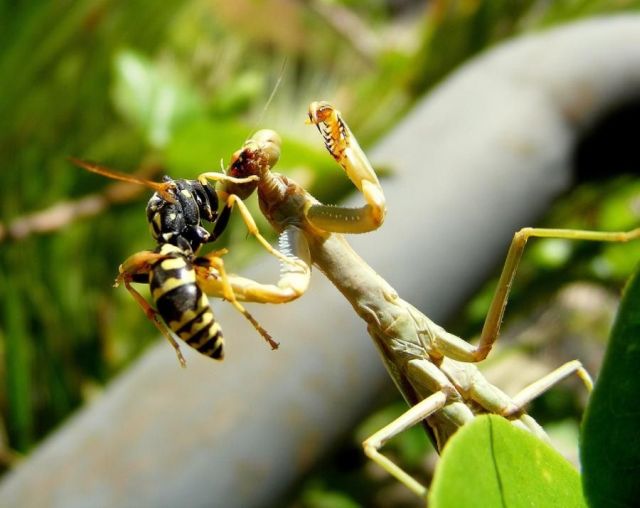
162,188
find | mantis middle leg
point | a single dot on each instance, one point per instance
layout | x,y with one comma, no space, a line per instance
458,349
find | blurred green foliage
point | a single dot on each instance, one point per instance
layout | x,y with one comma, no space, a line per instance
178,86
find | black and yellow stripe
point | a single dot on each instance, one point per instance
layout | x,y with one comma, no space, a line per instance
182,304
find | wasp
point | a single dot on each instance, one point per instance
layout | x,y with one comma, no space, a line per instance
175,213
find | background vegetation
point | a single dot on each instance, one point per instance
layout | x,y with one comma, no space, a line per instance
174,87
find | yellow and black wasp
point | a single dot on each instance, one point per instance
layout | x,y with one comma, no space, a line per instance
175,214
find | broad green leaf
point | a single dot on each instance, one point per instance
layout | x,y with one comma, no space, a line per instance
491,463
200,144
611,439
154,99
318,497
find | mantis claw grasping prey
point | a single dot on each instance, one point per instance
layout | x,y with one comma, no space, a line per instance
431,367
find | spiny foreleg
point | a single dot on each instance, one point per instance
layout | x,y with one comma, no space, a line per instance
344,148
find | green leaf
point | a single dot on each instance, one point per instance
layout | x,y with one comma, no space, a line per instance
200,144
492,463
321,498
154,99
610,440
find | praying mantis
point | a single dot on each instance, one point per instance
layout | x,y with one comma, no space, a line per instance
433,369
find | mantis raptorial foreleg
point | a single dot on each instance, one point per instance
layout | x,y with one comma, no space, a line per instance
232,200
294,275
247,218
344,148
222,177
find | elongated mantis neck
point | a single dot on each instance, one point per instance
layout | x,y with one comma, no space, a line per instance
368,293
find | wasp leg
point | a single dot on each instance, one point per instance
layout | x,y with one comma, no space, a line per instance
293,282
137,266
213,261
152,314
247,218
132,270
221,224
221,177
344,148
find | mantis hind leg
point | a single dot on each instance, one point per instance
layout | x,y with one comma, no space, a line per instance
441,401
537,388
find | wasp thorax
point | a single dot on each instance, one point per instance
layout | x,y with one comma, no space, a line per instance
178,222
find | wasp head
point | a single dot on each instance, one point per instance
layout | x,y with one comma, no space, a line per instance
259,154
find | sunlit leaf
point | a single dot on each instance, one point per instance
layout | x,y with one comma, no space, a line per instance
154,99
491,463
611,443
